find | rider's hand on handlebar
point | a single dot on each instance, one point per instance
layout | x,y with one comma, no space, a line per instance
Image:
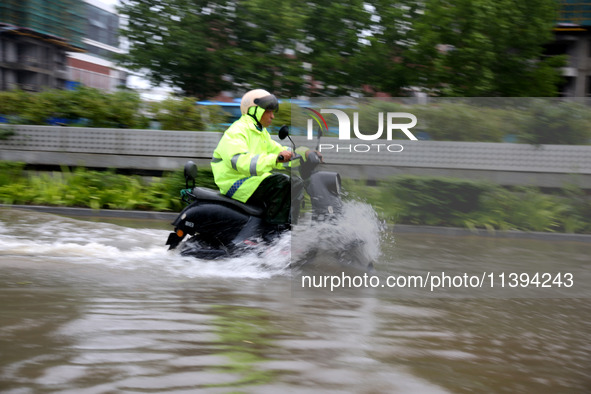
284,156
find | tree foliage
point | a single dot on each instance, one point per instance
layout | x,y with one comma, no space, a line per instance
83,106
459,48
204,47
88,107
486,48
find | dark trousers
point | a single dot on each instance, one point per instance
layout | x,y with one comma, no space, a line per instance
275,195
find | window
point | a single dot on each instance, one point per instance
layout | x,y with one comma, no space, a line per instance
102,26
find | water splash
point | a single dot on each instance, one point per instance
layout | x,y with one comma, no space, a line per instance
41,238
358,228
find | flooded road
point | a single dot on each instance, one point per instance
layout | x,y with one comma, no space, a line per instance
93,307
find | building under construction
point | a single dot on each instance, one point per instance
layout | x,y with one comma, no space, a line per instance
573,38
57,44
34,38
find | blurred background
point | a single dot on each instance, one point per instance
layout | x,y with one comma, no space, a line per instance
218,49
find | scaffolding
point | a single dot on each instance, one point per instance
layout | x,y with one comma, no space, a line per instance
60,18
34,38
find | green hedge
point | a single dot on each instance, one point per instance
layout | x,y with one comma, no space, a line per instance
94,189
533,121
82,107
435,201
89,107
439,201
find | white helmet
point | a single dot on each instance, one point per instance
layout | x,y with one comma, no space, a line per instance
258,98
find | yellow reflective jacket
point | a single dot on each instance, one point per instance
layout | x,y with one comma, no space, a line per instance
243,158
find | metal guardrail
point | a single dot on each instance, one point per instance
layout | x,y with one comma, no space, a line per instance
112,141
109,148
504,163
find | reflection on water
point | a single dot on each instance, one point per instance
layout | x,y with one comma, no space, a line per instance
95,308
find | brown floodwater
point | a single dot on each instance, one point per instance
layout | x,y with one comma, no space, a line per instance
96,307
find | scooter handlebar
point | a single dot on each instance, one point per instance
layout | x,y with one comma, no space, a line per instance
313,157
294,156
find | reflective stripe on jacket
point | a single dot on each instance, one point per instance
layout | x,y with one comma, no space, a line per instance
243,158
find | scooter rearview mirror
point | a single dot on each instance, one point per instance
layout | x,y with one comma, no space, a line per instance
190,173
283,132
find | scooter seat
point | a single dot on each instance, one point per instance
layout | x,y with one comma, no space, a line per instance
203,193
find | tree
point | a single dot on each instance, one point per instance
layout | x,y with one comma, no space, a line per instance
176,41
334,45
204,47
485,48
454,48
382,65
263,45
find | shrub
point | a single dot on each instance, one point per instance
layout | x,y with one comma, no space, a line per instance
82,106
10,172
94,189
458,121
473,204
577,212
11,104
178,114
524,208
556,122
403,199
431,200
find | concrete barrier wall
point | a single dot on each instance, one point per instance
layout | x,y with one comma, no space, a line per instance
503,163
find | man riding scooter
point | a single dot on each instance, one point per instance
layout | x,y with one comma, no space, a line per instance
246,155
254,205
